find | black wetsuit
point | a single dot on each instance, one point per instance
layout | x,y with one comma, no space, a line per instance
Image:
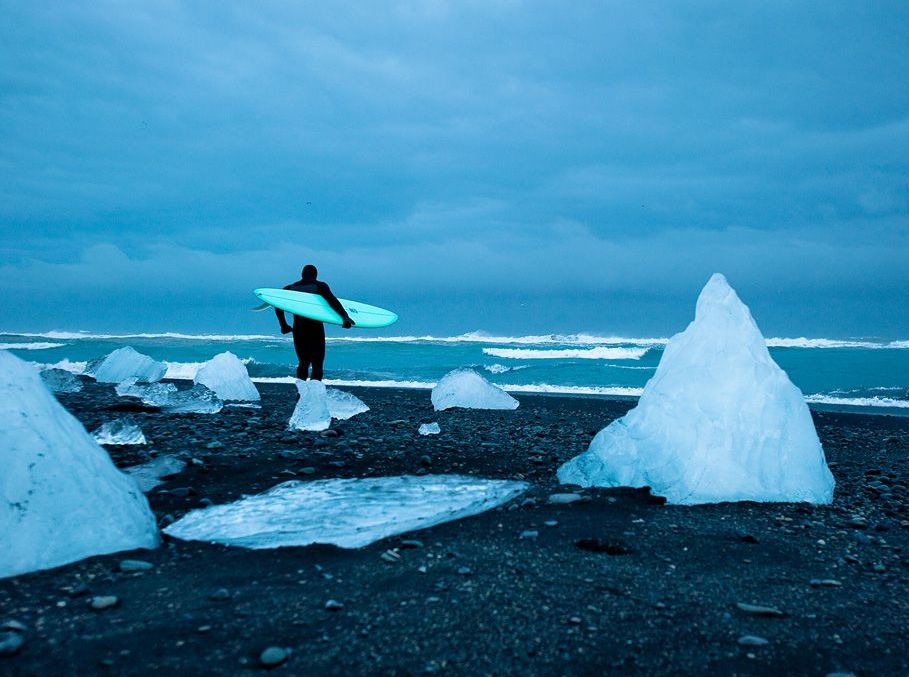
309,335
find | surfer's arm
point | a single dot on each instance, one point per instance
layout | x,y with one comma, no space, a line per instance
335,304
282,318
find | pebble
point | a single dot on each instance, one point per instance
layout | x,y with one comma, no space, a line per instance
10,643
752,640
857,522
824,583
128,565
220,595
331,432
13,625
214,444
564,499
551,523
412,543
390,556
333,605
102,602
465,571
759,609
530,534
308,470
425,460
273,655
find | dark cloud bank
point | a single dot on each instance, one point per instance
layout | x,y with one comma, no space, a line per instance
514,167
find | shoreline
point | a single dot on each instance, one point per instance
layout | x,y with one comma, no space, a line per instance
615,581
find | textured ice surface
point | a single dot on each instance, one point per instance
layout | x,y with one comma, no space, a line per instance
719,421
125,363
226,376
311,412
429,429
350,513
120,431
148,475
195,400
466,388
61,381
61,497
343,405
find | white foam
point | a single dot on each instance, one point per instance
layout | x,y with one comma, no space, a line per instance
887,402
600,353
30,346
64,364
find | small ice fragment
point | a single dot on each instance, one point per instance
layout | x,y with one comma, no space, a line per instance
227,377
120,431
311,412
343,405
125,363
719,421
429,429
166,396
349,513
148,475
61,497
61,381
466,388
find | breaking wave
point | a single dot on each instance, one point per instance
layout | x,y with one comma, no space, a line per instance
30,346
599,353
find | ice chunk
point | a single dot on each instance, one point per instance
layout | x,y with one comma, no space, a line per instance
120,431
466,388
349,513
125,363
226,376
148,475
195,400
429,429
61,497
311,412
343,405
719,421
61,381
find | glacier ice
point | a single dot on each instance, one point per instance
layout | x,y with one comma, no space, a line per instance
226,376
718,421
61,497
429,429
60,381
125,363
349,513
119,431
343,405
466,388
311,412
166,396
149,475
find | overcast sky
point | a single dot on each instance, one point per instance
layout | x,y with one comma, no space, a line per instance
509,166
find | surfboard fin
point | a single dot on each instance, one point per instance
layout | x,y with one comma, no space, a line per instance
259,309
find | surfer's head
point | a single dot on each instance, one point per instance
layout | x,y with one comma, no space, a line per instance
309,272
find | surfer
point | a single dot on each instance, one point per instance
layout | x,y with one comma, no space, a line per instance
309,335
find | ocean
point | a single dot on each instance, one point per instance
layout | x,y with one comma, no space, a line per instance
852,374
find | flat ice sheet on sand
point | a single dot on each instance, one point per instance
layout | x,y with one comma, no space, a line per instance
719,421
343,405
125,363
349,513
61,497
227,377
467,389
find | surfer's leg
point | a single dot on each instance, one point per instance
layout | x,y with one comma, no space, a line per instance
317,353
303,359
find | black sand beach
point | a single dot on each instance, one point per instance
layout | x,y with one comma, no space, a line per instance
614,582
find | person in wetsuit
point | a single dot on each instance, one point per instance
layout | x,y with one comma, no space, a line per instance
309,335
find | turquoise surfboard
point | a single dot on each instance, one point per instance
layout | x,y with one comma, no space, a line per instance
315,307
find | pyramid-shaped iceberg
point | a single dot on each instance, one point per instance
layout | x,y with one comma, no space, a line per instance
719,421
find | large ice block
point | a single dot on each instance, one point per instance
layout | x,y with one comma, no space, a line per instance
61,497
227,377
719,421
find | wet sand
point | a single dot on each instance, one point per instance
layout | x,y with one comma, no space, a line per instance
614,582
